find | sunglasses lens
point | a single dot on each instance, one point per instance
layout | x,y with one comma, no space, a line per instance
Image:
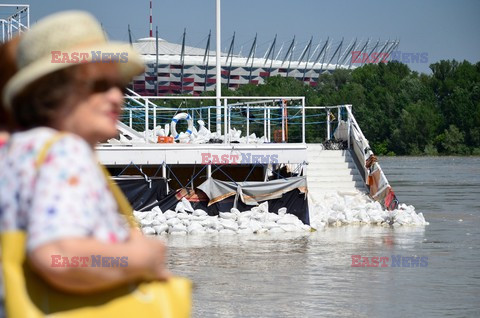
103,85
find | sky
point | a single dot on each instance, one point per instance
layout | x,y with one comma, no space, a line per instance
444,29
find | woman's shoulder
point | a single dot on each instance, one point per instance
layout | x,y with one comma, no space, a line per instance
26,145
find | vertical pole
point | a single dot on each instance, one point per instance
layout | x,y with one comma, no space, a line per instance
229,120
303,120
151,28
146,121
209,171
225,121
339,115
283,121
348,121
208,114
328,124
265,121
269,131
130,118
164,172
219,68
156,61
154,118
248,123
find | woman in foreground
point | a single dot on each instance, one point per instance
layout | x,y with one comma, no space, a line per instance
63,203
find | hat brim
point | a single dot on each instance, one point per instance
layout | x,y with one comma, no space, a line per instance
129,62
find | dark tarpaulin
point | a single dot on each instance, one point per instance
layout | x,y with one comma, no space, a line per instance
144,198
140,193
294,201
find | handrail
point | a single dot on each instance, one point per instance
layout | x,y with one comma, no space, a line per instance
362,145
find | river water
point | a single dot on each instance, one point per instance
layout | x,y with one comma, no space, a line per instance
311,275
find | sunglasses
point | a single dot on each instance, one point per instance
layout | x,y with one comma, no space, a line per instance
103,85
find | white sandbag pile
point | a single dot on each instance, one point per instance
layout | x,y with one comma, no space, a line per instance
185,220
198,136
335,209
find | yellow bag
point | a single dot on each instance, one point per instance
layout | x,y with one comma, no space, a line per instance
28,295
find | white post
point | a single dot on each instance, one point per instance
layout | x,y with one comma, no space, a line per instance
154,118
130,118
248,123
164,172
225,121
269,131
283,122
146,121
265,121
303,120
208,114
229,121
348,121
328,124
219,68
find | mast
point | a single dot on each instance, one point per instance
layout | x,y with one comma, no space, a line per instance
151,19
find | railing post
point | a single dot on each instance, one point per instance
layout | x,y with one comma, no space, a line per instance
130,118
328,123
348,125
225,115
154,118
248,123
229,120
208,114
265,121
269,131
146,121
283,121
303,119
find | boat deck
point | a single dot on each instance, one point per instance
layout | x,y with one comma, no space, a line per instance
190,154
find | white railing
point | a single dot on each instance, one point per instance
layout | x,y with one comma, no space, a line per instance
249,106
15,23
362,151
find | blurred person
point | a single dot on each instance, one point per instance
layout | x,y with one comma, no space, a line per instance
65,106
8,67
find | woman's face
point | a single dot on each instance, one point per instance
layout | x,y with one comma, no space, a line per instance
95,116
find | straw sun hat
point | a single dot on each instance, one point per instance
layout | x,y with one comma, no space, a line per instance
52,43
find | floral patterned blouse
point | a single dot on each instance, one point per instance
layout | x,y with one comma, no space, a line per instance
66,197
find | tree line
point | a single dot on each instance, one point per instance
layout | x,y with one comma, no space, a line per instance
401,112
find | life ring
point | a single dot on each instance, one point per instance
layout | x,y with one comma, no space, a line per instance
175,119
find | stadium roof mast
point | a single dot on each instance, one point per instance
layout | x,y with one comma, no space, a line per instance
206,57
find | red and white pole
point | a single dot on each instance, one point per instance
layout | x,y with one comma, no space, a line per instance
151,24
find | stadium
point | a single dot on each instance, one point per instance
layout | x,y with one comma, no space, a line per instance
182,69
173,68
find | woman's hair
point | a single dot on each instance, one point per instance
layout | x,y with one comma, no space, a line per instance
8,68
40,103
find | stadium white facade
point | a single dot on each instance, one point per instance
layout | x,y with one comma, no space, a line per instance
182,69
